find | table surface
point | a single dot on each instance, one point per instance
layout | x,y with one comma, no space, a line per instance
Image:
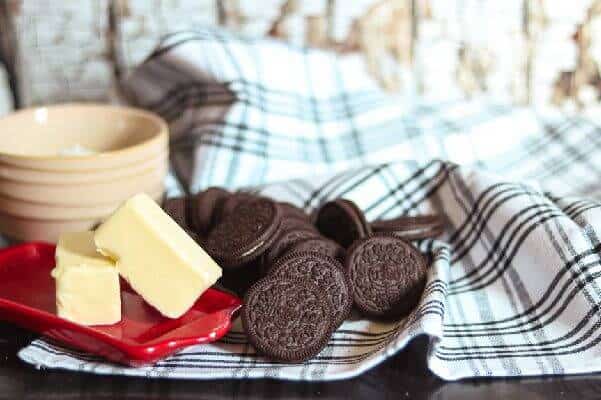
404,376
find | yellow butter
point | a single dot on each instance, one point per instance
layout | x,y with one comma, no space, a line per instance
158,259
87,283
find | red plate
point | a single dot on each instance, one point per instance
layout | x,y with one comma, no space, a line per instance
27,298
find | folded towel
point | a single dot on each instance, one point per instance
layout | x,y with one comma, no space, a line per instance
515,284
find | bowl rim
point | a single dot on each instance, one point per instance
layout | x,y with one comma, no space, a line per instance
161,134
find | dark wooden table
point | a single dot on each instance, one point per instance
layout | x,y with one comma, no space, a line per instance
405,376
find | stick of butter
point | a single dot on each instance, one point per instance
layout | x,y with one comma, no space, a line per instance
155,256
87,284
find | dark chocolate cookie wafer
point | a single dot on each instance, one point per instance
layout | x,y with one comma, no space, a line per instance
287,320
176,208
321,245
202,207
411,228
230,203
342,221
239,280
293,211
289,223
245,233
387,275
326,272
285,240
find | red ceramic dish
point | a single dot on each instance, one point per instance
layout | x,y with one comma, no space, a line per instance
27,299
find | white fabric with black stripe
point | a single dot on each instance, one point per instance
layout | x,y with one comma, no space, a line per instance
515,283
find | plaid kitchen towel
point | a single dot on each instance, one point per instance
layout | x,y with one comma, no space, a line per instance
514,286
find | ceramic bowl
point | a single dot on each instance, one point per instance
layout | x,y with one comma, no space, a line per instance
68,167
80,137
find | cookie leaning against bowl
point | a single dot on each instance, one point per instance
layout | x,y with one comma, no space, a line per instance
287,320
324,271
245,233
387,275
342,221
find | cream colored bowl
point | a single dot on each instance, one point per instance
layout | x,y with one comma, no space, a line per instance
44,138
68,167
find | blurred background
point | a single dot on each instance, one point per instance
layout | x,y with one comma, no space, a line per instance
544,53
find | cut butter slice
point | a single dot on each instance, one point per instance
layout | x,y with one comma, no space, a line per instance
87,284
156,257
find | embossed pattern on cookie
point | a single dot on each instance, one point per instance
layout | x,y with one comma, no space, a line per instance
326,272
387,275
287,320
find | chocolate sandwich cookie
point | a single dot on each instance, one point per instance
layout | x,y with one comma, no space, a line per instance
285,240
289,223
287,320
202,208
386,274
292,211
324,271
245,233
321,245
176,207
342,221
239,280
411,228
231,202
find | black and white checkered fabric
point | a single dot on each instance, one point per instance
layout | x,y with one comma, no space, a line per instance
514,287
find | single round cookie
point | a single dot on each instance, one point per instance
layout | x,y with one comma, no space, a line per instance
342,221
386,274
245,233
326,272
287,320
176,207
322,245
202,207
284,241
411,228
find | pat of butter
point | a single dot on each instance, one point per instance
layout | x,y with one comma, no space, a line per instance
156,257
87,284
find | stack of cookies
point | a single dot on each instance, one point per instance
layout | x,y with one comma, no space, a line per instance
301,274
